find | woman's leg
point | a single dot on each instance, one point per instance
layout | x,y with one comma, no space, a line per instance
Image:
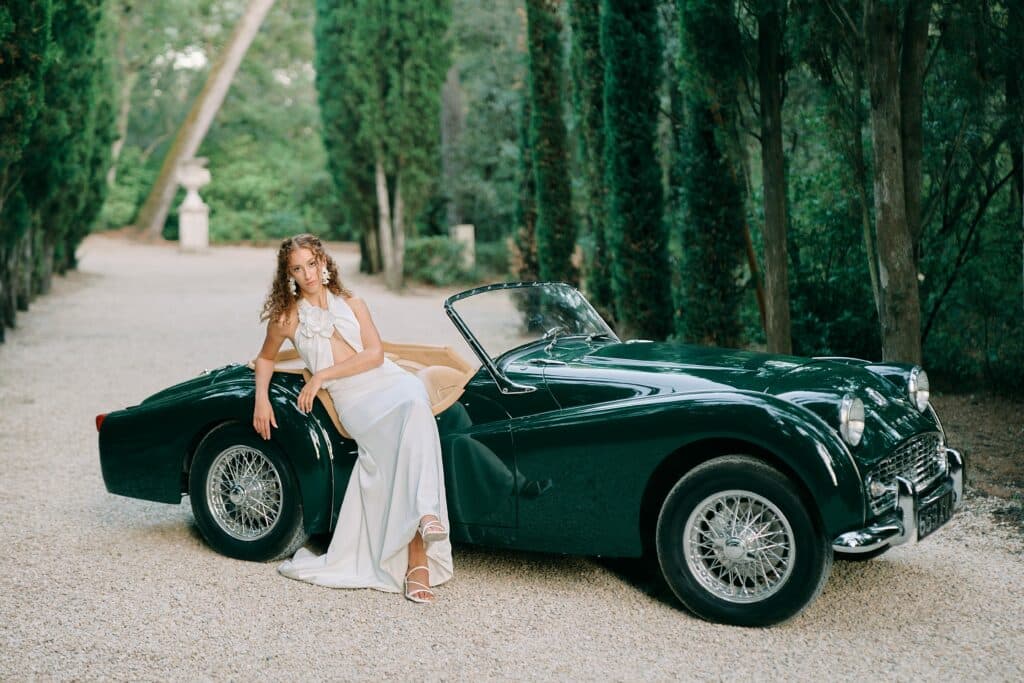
418,558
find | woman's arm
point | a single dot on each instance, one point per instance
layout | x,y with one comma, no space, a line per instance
370,357
263,412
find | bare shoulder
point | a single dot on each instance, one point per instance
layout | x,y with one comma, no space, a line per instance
357,304
286,323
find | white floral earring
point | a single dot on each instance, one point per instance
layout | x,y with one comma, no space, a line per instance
292,286
325,276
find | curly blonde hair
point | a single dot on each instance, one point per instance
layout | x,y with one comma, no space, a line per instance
280,299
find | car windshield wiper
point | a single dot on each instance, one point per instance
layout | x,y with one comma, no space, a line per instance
598,335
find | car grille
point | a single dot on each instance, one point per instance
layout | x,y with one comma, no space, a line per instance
917,459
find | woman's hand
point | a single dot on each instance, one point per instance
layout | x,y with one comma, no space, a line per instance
263,418
309,392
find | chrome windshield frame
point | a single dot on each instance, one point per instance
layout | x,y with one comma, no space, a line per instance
505,385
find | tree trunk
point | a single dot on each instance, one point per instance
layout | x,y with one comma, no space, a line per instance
23,270
8,309
384,235
914,51
860,173
398,234
770,75
186,143
900,317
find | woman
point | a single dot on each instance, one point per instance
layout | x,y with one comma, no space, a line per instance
394,518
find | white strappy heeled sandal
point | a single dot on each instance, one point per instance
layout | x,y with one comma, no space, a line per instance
432,531
420,588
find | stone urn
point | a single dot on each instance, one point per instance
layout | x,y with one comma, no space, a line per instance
193,213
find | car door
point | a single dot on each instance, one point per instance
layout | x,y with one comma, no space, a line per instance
481,473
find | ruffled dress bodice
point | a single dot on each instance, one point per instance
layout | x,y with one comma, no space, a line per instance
317,326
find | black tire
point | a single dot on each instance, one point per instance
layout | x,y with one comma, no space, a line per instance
861,557
741,597
229,524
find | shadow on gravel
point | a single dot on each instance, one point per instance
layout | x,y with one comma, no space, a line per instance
644,575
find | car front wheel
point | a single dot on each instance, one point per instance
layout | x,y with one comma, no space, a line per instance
244,497
737,544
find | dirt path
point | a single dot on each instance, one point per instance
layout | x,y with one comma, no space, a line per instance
97,586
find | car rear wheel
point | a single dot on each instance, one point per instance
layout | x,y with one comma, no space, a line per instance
737,544
244,497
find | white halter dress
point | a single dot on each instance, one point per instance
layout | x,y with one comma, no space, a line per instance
397,477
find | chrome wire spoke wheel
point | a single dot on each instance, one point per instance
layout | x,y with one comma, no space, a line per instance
244,493
739,546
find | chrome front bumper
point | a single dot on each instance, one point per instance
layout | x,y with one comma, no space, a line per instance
901,525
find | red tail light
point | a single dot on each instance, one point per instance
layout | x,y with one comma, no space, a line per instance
99,420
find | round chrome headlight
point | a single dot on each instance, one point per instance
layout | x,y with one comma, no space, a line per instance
917,388
851,419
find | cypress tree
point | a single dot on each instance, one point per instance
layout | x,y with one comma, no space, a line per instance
556,232
25,38
66,165
395,56
587,67
349,157
631,44
525,240
56,87
713,214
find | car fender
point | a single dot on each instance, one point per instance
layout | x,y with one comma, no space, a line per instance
146,450
305,439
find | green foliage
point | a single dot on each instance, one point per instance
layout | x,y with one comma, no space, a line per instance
587,66
524,258
134,179
66,159
971,294
712,236
833,310
379,71
489,59
712,194
349,158
266,157
556,226
56,101
437,260
492,262
25,53
631,45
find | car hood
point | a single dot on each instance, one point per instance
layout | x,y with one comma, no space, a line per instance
618,371
701,368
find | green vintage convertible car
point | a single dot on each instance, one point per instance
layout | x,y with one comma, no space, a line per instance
743,473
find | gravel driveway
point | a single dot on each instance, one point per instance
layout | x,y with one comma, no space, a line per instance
97,586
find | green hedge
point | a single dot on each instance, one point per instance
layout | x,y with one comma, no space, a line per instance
437,261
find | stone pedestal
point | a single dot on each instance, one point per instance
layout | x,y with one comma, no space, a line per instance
465,235
193,213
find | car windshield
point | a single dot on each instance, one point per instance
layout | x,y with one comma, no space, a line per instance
505,317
